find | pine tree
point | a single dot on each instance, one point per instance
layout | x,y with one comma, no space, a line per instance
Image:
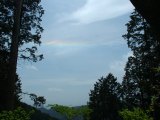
140,82
30,27
19,25
104,99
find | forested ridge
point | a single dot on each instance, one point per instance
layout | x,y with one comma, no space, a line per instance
136,97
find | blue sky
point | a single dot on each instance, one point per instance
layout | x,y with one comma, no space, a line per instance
81,42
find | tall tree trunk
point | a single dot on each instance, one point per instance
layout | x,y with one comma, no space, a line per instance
13,55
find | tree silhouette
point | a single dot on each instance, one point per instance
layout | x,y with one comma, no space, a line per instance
38,100
104,99
140,82
19,25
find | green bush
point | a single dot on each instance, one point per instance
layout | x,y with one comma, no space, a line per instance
136,114
17,114
72,112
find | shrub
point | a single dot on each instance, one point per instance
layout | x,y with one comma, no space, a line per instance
17,114
136,114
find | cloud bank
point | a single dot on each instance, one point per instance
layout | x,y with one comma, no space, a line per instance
117,67
98,10
31,67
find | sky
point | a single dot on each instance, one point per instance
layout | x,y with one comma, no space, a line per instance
82,41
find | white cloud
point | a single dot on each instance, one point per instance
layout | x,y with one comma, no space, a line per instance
97,10
117,67
62,48
31,67
120,64
65,43
81,43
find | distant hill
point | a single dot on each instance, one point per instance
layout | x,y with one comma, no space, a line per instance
38,114
47,114
53,113
59,116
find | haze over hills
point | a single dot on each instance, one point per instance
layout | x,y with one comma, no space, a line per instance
52,113
57,115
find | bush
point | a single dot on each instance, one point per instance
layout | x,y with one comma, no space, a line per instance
17,114
136,114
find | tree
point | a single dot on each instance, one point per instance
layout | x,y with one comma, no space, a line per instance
17,114
18,91
13,56
30,27
135,94
38,100
140,82
19,25
105,99
68,112
135,114
4,56
72,112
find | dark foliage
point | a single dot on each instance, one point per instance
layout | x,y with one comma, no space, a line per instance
105,99
3,78
29,32
38,115
140,82
30,27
